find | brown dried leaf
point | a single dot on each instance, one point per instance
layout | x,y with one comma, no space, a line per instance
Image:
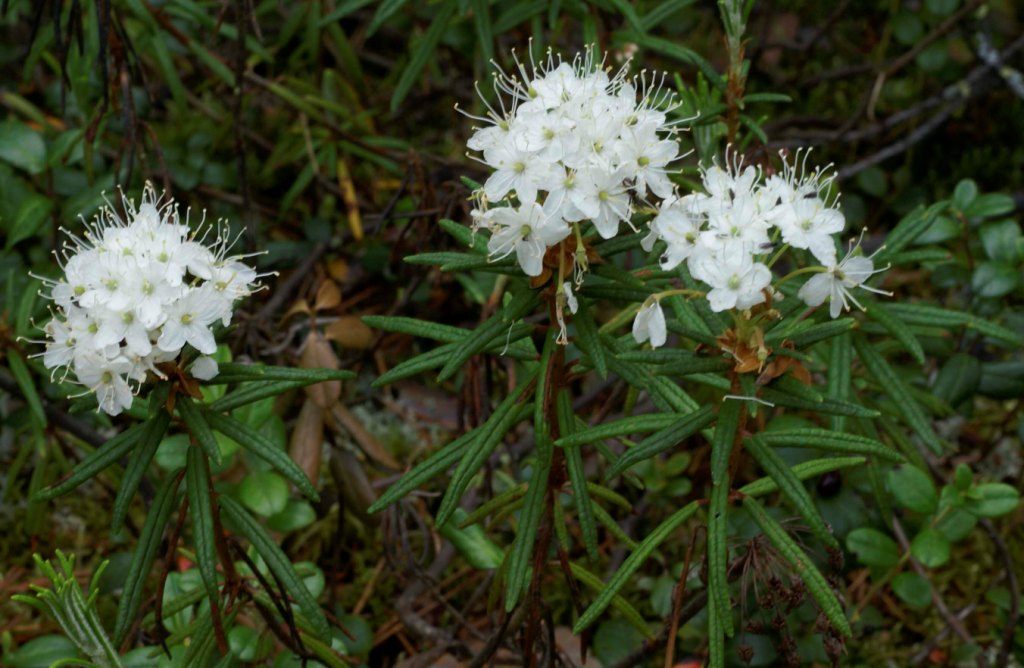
328,296
349,331
339,418
299,307
339,270
354,485
318,354
307,439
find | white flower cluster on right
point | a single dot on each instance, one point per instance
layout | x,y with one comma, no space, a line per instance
135,292
570,143
727,234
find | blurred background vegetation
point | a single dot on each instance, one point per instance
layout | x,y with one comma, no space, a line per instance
325,131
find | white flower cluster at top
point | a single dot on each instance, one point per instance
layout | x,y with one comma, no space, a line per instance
727,234
572,144
135,291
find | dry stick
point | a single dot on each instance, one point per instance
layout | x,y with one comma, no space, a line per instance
677,602
688,611
242,13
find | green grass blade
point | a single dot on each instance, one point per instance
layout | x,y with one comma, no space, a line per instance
422,53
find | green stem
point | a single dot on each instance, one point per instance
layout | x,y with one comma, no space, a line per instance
805,270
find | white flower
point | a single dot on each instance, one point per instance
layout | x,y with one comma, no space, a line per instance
135,291
678,228
604,198
650,324
527,232
736,280
837,283
807,223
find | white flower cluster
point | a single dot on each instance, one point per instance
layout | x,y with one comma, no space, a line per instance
135,292
726,235
572,144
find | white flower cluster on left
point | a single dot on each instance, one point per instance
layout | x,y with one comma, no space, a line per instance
572,144
135,291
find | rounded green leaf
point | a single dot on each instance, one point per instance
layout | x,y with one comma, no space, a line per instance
930,548
873,548
1000,239
913,590
22,147
995,279
955,524
992,499
296,514
913,489
265,493
987,206
964,193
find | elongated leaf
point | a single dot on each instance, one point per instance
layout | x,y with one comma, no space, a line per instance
840,357
423,328
517,577
898,329
681,429
233,372
503,500
278,563
199,429
423,52
149,441
252,392
200,507
898,392
803,471
792,488
673,49
913,225
795,388
717,549
587,338
716,640
577,476
385,10
142,558
262,447
485,334
492,432
632,564
635,424
827,407
96,461
801,565
619,603
805,337
825,439
426,470
28,388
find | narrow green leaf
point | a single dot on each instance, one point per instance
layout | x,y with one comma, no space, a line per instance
833,441
899,394
801,564
423,52
673,49
423,328
587,338
827,407
619,603
484,31
149,441
235,372
484,335
278,563
492,432
795,388
682,428
252,392
837,387
262,447
385,10
897,328
142,559
428,469
200,508
198,427
632,564
96,461
635,424
517,578
792,488
807,336
717,547
577,476
909,228
803,471
503,500
28,388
